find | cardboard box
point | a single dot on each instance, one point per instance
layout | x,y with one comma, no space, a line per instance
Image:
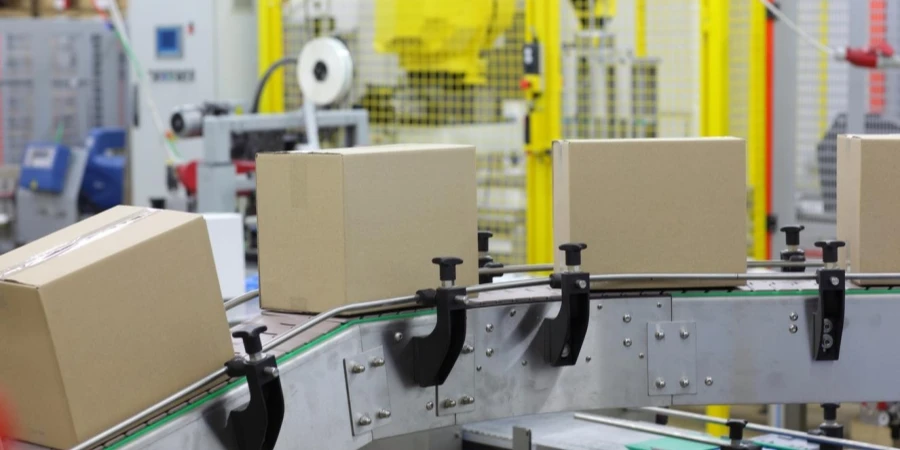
106,317
867,189
361,224
653,206
226,235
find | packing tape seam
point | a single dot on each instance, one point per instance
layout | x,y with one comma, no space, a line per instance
81,241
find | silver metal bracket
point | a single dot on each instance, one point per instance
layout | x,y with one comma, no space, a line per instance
367,390
457,394
672,358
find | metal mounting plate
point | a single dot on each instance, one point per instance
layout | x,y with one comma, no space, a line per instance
367,390
671,358
460,385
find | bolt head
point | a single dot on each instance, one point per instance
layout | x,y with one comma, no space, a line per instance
364,420
627,342
660,383
429,406
660,335
512,313
641,355
827,326
384,414
377,362
581,284
358,368
468,349
489,327
478,368
398,336
524,363
792,328
708,381
659,304
587,359
626,318
489,352
794,316
271,371
684,334
835,281
827,341
466,400
449,403
599,305
684,382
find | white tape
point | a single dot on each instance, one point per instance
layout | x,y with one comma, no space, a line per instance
325,71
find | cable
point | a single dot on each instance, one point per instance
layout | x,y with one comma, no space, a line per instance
261,86
793,26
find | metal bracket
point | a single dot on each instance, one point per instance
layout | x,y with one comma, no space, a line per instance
828,319
672,358
457,394
434,355
367,391
564,334
521,439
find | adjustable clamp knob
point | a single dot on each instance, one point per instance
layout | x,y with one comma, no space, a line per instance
830,411
250,336
448,268
736,429
483,238
792,234
830,250
573,253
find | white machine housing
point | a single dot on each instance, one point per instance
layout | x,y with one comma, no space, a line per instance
192,51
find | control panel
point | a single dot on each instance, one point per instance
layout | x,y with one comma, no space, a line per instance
44,168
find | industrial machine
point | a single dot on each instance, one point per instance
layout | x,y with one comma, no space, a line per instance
193,52
59,185
465,366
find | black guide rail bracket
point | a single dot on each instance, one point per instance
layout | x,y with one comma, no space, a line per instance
793,252
484,259
435,355
828,317
564,334
257,424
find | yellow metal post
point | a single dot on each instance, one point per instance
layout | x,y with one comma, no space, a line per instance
270,40
714,106
756,133
640,28
544,95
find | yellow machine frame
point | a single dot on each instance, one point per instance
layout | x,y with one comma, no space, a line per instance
270,40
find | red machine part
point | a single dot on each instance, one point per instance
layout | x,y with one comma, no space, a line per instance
187,174
868,56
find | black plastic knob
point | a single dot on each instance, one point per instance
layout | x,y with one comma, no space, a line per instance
448,266
830,250
573,252
792,234
250,336
736,429
830,411
483,238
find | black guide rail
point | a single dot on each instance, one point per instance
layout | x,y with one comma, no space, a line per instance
435,355
828,318
564,334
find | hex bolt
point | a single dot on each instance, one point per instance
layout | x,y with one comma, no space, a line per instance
641,355
827,326
684,334
398,336
684,382
524,363
383,414
468,349
358,368
660,335
565,351
489,352
449,403
466,400
626,318
659,304
587,359
581,284
271,371
512,313
660,383
827,341
627,342
364,421
835,281
708,381
377,362
429,406
478,368
793,328
599,305
489,327
794,316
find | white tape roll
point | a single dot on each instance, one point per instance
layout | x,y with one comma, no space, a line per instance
325,70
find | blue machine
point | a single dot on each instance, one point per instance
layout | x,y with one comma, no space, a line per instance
104,176
44,168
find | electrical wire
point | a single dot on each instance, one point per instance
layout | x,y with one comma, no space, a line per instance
261,85
818,45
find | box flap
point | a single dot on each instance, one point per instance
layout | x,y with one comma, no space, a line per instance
86,242
394,148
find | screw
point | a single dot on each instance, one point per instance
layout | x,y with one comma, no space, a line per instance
384,414
565,351
512,313
626,318
684,334
489,327
587,359
627,342
524,363
478,368
358,368
660,335
794,316
489,352
449,403
684,382
660,383
271,371
641,355
581,284
364,421
708,381
429,406
468,349
793,328
827,341
835,281
827,325
467,400
659,304
377,362
599,305
398,336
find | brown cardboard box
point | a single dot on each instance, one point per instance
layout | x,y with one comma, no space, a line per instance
867,189
105,318
360,224
652,206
